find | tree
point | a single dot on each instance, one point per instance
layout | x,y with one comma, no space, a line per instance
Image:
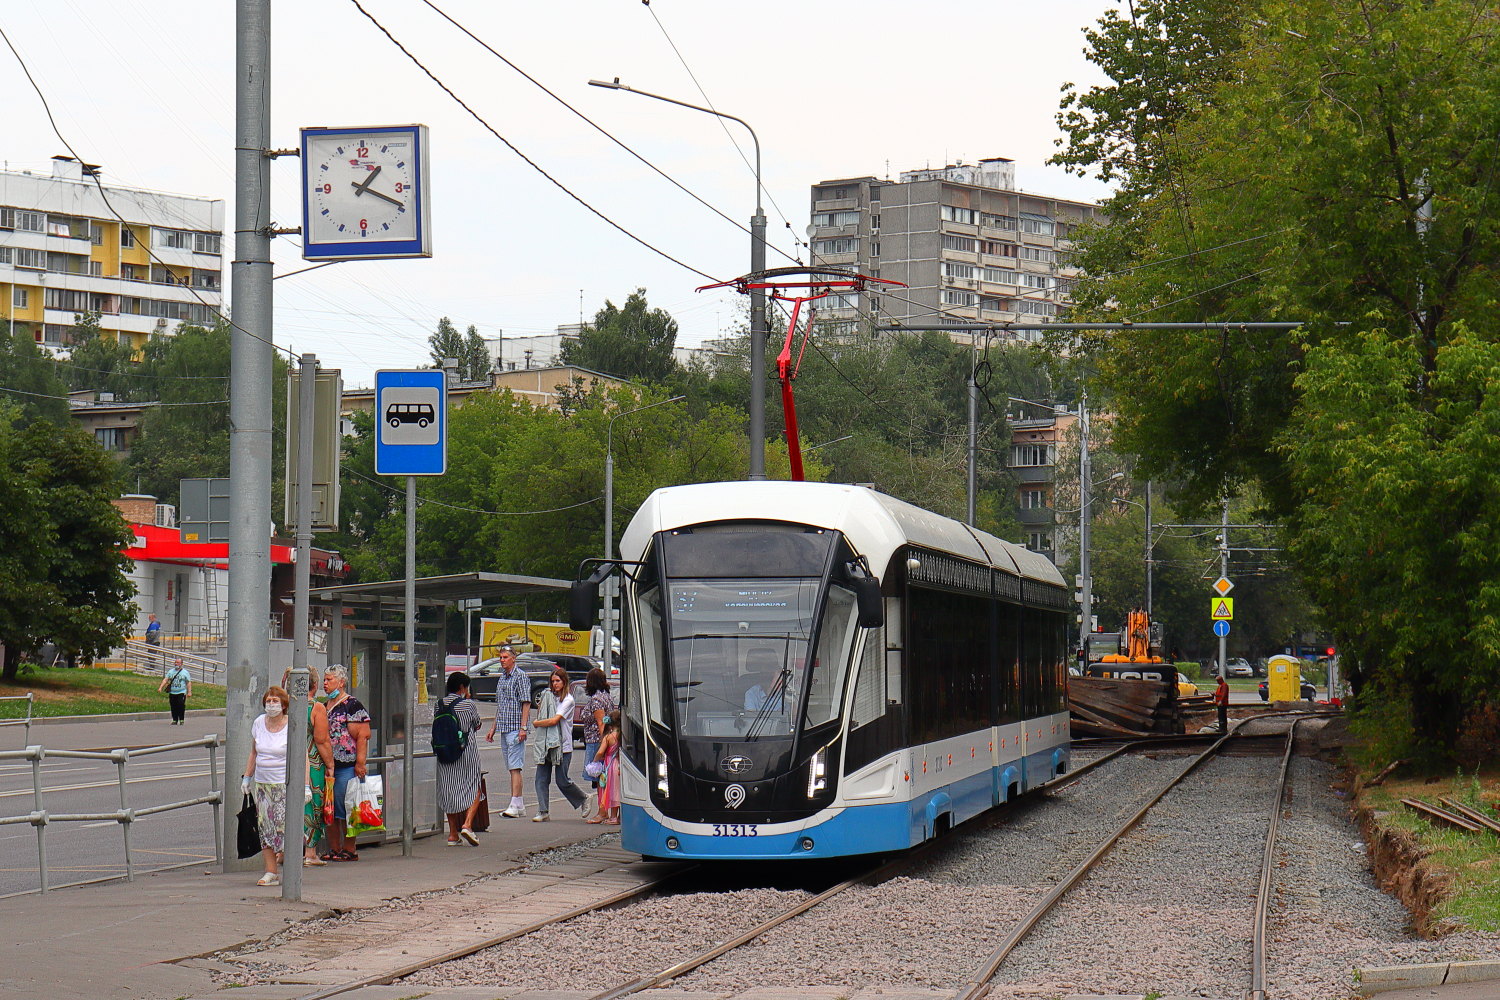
104,364
28,379
1334,168
62,562
186,436
469,349
634,342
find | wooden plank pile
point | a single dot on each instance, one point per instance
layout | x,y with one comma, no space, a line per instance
1454,814
1104,706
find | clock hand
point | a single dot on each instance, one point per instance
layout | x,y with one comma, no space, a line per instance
360,189
384,197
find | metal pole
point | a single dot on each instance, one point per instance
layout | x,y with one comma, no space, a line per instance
1148,553
758,332
1224,572
408,790
1085,625
973,430
296,731
37,753
250,349
213,786
121,757
607,653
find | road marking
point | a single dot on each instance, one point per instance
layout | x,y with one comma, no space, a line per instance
104,784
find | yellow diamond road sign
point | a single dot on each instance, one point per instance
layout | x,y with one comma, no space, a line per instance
1222,586
1221,609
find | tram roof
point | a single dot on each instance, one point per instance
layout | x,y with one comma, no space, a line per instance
875,523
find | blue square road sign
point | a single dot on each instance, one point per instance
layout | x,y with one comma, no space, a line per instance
411,423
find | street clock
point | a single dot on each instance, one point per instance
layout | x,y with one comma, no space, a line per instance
364,193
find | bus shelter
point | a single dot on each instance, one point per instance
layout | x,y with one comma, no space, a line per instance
367,632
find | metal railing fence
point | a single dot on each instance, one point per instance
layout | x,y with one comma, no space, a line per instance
40,818
144,658
30,700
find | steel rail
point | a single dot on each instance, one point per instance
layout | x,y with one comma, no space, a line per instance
1263,894
979,985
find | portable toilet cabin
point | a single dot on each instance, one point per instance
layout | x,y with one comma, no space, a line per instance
1283,679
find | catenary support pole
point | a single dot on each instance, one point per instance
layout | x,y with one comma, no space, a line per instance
408,777
250,354
973,483
1085,625
1224,572
758,332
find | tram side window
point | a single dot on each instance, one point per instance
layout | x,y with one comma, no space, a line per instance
869,685
1057,659
947,648
1033,672
1008,660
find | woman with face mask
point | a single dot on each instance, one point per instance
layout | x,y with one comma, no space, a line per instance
265,776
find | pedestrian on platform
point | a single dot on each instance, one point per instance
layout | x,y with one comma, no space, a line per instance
512,715
319,773
265,779
178,684
552,745
609,789
1221,702
153,639
601,705
458,780
349,734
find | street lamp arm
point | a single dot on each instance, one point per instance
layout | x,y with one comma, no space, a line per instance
609,430
615,84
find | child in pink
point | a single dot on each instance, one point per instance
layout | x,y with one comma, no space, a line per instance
609,790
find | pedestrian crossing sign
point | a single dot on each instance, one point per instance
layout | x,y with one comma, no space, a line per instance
1221,609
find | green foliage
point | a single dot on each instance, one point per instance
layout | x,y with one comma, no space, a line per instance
86,691
1331,165
187,435
28,379
467,348
62,564
104,364
631,342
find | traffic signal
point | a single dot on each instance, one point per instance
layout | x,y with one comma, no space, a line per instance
1328,651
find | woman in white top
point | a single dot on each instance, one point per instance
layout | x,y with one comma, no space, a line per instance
265,775
552,744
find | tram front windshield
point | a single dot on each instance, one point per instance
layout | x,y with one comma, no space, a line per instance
738,659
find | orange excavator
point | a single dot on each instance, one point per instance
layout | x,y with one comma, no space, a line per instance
1124,654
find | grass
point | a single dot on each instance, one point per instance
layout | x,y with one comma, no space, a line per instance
87,691
1471,859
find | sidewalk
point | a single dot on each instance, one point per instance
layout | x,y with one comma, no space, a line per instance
115,939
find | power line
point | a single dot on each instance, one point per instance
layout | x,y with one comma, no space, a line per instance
65,399
513,148
601,129
421,500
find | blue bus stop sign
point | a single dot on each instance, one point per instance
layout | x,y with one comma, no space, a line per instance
411,423
1221,629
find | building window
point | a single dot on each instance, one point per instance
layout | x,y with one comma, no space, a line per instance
1030,454
4,255
955,298
20,297
995,248
875,222
1001,275
846,218
174,238
1039,224
953,269
998,221
7,218
952,213
31,222
1033,499
127,238
875,249
206,243
1037,541
96,234
991,304
846,301
847,244
1037,253
110,438
1036,280
96,268
34,259
964,244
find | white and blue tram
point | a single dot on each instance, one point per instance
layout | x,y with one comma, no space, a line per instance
818,670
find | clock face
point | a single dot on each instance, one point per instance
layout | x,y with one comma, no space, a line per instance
364,193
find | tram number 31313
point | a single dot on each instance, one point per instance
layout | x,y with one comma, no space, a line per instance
736,830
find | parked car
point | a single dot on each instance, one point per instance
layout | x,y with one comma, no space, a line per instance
484,675
1185,687
1309,691
1240,667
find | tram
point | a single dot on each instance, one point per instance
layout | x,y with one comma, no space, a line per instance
818,670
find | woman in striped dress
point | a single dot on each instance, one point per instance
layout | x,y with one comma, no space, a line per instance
458,782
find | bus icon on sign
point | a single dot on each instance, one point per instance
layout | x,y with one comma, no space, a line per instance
420,414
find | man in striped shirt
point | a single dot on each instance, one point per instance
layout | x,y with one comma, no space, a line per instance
512,714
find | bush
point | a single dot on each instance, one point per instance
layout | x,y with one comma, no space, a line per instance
1192,669
1381,719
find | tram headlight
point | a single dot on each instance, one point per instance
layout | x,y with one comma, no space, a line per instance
817,773
661,773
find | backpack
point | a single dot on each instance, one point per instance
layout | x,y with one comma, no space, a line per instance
448,737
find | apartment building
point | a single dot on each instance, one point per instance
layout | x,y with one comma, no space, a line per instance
970,246
1036,445
64,252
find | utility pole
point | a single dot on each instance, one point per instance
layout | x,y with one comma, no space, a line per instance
296,726
249,622
1224,573
973,427
1085,625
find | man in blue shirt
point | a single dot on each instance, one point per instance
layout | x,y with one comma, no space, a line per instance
512,714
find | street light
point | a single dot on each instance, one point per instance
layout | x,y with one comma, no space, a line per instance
758,327
609,520
825,444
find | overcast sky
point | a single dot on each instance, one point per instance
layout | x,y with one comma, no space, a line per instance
144,88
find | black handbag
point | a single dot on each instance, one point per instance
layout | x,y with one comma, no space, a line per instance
249,832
